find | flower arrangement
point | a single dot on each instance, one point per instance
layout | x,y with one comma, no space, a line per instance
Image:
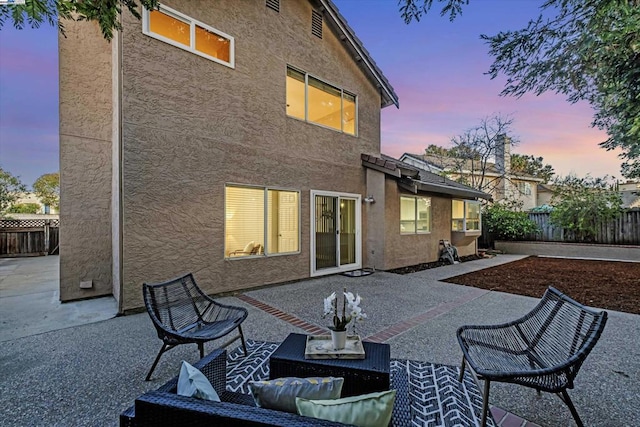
351,310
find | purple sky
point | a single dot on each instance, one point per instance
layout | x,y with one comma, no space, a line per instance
436,67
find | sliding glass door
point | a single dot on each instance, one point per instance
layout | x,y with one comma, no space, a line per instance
335,232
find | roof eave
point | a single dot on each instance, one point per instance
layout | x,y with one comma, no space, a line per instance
459,192
388,95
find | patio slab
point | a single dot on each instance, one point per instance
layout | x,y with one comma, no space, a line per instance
87,374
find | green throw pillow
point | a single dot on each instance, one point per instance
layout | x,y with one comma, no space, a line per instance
367,410
281,393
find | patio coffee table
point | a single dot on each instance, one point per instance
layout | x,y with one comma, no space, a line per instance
361,376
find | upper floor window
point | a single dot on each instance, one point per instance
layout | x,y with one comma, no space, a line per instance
182,31
415,215
465,215
261,221
315,101
524,187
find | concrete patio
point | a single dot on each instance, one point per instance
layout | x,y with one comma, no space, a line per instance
75,364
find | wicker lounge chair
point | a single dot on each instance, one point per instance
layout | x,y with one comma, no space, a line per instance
543,350
182,314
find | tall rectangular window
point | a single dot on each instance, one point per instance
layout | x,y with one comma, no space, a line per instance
415,215
261,221
182,31
465,215
315,101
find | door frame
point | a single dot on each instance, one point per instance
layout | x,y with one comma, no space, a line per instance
358,233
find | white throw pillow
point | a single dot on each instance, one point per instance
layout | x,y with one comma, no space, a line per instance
193,383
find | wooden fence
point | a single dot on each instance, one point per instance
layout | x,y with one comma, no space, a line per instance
624,230
29,237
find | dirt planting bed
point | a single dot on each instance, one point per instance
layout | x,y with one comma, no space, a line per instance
610,285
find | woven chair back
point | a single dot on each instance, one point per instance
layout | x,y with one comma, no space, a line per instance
562,331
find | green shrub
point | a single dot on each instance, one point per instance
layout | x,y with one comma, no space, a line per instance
24,208
507,221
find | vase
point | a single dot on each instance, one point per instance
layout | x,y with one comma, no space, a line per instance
339,339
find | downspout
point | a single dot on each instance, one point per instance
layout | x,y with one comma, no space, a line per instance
118,187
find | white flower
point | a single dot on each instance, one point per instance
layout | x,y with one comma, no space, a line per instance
328,304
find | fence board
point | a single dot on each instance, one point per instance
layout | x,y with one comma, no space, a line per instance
28,237
624,230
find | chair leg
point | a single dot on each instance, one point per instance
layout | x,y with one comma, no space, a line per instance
485,403
201,348
464,361
567,400
164,348
244,345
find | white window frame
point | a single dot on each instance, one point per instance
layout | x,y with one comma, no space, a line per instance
265,252
342,92
524,188
464,217
192,36
416,219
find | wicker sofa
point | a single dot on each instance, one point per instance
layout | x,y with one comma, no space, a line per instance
163,407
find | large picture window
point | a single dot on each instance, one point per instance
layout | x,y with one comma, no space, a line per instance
261,221
415,215
315,101
180,30
465,215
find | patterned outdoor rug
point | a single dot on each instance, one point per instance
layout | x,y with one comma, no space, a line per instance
435,396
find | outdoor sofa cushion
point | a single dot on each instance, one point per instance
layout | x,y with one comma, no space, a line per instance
281,393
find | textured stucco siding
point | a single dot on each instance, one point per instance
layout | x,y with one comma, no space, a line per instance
402,250
191,125
85,161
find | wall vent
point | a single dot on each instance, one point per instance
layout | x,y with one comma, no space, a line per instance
316,24
274,5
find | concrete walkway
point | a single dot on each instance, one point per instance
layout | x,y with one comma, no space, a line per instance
55,374
30,299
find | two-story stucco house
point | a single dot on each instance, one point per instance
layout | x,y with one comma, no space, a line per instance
238,140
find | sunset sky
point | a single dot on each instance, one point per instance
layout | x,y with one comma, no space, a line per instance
436,67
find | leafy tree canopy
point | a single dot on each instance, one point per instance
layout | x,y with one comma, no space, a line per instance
530,165
580,205
587,50
24,208
10,189
47,189
106,12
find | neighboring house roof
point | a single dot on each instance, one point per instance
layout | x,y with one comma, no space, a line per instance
415,179
360,54
449,164
546,188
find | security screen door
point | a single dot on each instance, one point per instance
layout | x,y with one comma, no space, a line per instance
335,232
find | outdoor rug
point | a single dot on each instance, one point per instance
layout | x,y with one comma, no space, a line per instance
428,394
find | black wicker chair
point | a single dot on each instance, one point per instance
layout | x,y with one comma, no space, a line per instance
183,314
543,350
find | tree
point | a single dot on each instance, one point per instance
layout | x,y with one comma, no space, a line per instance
10,189
587,50
106,12
581,205
47,189
468,160
24,208
533,166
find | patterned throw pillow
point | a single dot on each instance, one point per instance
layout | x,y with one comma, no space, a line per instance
367,410
281,393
